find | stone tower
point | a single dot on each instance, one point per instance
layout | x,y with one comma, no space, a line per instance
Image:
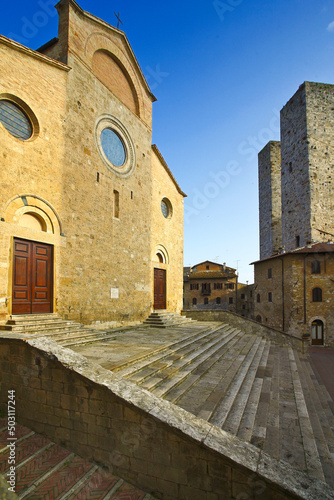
296,174
270,199
307,131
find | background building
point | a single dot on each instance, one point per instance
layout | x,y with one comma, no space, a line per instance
210,285
91,216
294,280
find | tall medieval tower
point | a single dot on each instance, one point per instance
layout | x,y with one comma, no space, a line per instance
302,201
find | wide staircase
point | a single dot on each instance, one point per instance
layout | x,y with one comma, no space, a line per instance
166,319
65,332
263,393
45,470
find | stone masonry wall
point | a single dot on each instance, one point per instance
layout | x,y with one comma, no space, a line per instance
320,133
34,166
296,203
149,442
270,206
167,233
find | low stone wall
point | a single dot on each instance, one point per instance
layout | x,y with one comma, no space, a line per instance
250,326
150,442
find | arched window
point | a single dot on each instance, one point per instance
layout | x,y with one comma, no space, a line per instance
315,267
317,295
258,319
206,300
258,298
194,301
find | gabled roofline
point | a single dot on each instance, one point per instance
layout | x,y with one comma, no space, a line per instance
215,263
106,25
33,53
161,158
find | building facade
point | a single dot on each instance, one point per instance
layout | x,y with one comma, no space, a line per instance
91,216
294,280
209,285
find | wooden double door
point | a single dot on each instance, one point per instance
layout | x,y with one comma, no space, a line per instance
159,289
32,277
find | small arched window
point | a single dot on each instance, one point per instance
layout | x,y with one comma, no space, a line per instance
315,267
194,301
206,300
258,298
317,295
258,319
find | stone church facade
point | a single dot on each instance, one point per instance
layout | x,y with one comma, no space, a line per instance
294,280
91,216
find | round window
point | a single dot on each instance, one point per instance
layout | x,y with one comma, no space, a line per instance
166,208
113,147
15,120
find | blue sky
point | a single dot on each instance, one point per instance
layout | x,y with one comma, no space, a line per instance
221,71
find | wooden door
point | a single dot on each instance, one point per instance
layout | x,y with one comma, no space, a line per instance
317,332
32,277
159,289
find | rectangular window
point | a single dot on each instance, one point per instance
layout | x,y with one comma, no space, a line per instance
270,297
230,300
242,296
270,273
230,286
116,204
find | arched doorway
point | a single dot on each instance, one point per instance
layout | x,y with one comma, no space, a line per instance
317,332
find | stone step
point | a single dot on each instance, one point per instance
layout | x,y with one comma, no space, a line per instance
222,410
247,389
194,369
176,394
46,470
171,359
175,357
312,457
320,415
163,319
247,421
208,392
45,329
129,367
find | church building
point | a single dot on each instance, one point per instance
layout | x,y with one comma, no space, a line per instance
91,217
294,280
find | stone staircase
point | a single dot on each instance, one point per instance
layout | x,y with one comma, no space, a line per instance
65,332
46,470
261,392
165,319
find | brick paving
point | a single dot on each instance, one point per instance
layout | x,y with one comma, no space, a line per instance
45,470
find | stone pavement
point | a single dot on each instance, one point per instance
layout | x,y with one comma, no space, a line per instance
266,394
45,470
323,360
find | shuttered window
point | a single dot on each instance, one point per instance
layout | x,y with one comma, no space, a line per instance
15,120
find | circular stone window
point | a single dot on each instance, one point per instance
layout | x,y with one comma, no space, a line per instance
115,146
166,208
15,120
